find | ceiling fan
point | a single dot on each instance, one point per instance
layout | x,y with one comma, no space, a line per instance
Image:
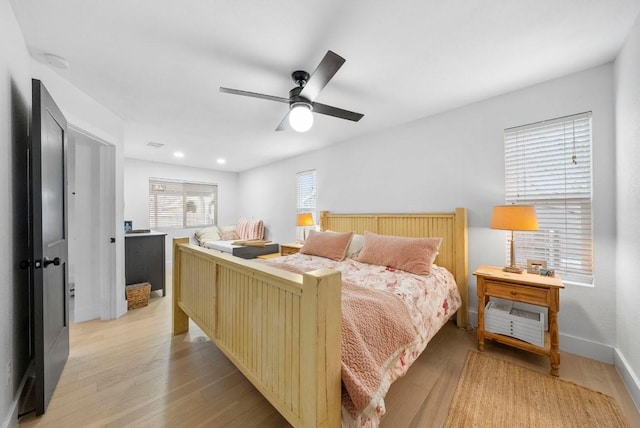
302,98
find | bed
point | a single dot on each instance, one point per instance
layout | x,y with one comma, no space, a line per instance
243,251
283,329
244,239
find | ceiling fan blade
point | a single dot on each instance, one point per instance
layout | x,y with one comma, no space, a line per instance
329,65
283,124
336,112
254,95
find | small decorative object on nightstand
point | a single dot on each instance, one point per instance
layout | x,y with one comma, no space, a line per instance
526,288
288,249
514,217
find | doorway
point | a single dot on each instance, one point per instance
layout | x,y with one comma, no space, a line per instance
92,252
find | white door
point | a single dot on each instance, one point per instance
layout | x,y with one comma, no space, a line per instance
92,226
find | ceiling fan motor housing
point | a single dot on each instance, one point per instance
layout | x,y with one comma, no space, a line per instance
295,98
300,77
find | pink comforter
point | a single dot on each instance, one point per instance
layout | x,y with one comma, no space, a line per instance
388,318
376,328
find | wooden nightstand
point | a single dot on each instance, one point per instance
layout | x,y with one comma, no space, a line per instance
288,249
526,288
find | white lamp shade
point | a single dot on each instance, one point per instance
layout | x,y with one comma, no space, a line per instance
301,118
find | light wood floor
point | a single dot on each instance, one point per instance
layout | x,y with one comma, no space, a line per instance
131,372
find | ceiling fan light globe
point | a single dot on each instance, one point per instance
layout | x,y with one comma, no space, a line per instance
301,118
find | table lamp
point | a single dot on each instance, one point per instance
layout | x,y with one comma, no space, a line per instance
514,217
304,220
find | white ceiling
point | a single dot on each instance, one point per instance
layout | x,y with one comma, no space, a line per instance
158,64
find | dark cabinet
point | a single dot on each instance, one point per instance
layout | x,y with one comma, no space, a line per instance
144,259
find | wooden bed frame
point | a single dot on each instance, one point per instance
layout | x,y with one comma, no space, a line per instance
283,330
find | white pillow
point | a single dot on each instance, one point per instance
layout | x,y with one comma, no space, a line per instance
207,234
357,242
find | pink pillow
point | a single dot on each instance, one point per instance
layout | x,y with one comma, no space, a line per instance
250,228
415,255
243,228
255,229
331,245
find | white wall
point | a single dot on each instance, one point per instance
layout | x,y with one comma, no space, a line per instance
457,159
16,71
136,206
85,113
15,101
627,73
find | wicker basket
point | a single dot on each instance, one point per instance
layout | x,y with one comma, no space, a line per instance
138,295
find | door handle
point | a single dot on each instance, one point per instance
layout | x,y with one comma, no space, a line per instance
47,262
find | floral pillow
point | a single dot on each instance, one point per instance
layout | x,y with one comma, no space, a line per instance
229,235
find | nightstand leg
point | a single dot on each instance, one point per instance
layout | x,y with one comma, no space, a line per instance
554,352
482,300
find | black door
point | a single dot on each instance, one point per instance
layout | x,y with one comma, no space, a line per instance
48,200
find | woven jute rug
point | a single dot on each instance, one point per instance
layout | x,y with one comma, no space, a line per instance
496,393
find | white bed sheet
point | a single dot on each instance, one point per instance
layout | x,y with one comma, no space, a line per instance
224,246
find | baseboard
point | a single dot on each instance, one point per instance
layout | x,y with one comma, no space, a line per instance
473,318
586,348
87,314
14,410
629,377
12,417
574,345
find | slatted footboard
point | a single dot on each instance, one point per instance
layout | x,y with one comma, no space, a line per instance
281,329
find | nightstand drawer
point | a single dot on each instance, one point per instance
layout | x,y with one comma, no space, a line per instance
535,296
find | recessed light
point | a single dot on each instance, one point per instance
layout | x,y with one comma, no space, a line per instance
221,161
154,144
50,59
178,154
56,61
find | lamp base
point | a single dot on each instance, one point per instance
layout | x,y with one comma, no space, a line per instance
512,269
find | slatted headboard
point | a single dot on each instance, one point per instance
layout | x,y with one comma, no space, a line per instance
450,226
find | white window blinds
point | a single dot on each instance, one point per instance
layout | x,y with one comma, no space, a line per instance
306,197
548,165
180,204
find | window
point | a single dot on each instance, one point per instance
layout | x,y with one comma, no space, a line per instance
306,198
548,165
181,204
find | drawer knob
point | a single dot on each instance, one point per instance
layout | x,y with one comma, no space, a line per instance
514,293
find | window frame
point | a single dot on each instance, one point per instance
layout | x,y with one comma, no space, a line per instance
184,191
549,165
306,200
